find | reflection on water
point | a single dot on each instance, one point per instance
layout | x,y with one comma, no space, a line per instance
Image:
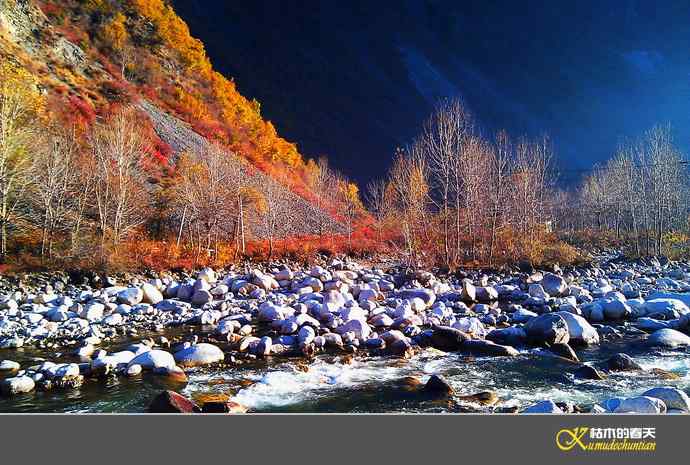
335,384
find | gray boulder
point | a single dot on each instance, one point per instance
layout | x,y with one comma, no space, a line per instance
549,328
668,338
673,398
554,285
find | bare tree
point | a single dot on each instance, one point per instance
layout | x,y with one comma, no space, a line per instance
275,214
19,102
324,184
408,184
56,184
444,139
499,172
378,203
118,146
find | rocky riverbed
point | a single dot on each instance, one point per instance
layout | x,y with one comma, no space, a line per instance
341,337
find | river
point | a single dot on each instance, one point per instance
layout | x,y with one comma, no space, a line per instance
342,384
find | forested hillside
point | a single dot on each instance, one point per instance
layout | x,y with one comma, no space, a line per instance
116,126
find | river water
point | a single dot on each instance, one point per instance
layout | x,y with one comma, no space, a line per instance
333,383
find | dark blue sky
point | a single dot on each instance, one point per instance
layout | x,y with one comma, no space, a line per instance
354,79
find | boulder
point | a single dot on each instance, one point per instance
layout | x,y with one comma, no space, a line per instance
589,372
564,350
438,387
511,336
448,339
545,406
154,359
269,312
134,370
486,294
622,362
115,319
427,295
484,398
93,311
172,402
537,291
668,338
306,335
650,325
554,285
673,398
208,275
17,385
615,309
223,407
522,315
201,297
683,297
471,326
640,404
549,328
151,294
594,311
264,281
469,292
199,355
357,326
8,366
263,346
481,347
668,308
580,331
130,296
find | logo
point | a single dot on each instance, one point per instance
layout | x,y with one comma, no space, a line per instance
588,439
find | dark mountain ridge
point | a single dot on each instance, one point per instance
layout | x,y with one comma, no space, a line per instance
355,79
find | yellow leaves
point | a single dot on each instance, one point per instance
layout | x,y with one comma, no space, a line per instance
151,9
18,90
175,33
115,32
192,103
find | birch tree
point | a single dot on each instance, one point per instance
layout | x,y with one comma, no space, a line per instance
20,103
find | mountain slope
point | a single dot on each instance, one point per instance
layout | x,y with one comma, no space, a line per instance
92,55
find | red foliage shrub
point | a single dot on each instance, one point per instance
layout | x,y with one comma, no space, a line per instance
81,111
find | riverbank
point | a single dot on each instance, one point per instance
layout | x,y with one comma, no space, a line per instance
343,337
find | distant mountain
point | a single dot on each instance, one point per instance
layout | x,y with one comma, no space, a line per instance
354,79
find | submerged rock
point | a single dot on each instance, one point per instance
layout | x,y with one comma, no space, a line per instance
589,372
438,387
622,362
564,351
481,347
172,402
545,406
484,398
223,407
